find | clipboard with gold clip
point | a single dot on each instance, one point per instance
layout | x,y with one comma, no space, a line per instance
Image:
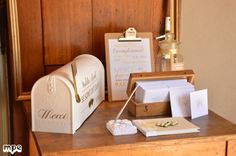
126,53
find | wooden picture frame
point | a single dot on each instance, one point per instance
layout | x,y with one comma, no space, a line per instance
118,66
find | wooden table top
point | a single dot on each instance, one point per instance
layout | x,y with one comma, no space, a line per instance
93,133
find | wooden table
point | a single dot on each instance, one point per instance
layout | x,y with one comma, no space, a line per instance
217,136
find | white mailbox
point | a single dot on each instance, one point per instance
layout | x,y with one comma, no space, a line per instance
54,104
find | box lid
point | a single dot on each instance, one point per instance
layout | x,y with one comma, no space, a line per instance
181,74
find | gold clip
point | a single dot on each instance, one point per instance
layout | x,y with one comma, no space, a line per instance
130,35
74,72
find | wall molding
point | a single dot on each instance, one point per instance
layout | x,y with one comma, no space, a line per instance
15,43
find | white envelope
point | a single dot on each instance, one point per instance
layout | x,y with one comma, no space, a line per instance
180,101
158,90
199,103
151,91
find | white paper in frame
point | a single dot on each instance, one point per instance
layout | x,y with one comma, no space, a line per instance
123,58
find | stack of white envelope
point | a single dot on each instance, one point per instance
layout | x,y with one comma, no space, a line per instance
183,98
158,91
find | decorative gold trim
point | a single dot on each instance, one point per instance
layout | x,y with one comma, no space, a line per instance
15,40
178,16
175,11
172,16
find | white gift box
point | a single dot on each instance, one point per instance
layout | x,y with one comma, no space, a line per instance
54,106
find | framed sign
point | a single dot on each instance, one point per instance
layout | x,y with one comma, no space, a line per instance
125,55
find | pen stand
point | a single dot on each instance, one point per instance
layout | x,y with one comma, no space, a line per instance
157,108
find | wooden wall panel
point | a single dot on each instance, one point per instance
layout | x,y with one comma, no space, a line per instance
19,128
49,69
231,151
59,30
117,16
31,46
213,148
67,26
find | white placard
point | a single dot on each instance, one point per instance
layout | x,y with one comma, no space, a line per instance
125,58
199,103
180,101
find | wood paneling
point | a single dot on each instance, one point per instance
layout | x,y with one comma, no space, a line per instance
117,16
67,29
49,69
33,151
231,151
53,32
30,31
19,128
191,149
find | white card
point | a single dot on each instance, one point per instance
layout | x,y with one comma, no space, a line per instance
158,90
199,103
180,101
126,58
